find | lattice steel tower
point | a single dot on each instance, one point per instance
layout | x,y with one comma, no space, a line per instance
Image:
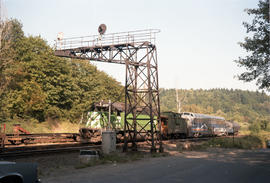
137,50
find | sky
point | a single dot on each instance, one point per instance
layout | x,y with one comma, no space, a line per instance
196,47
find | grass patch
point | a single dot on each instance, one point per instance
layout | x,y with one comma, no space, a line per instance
265,134
113,158
246,142
116,158
34,126
157,155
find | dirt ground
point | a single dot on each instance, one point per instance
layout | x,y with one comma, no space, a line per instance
65,167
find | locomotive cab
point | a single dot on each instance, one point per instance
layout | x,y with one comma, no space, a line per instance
164,126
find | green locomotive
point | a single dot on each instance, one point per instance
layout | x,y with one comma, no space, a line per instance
97,120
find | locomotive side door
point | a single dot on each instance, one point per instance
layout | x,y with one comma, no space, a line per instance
164,126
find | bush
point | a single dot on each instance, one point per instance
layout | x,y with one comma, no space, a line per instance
246,142
255,128
268,128
53,113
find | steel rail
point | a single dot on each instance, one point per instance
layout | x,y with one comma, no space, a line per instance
47,151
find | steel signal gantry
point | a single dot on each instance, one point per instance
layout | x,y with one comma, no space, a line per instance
137,50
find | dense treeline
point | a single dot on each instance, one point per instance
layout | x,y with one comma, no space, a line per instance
35,84
236,105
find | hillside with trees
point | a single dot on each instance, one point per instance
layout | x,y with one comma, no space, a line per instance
236,105
36,85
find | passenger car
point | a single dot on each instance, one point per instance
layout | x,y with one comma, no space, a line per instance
187,124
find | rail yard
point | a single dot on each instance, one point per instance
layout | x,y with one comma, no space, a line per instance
22,143
174,125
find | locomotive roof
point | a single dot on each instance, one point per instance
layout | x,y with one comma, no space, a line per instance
201,116
116,106
196,115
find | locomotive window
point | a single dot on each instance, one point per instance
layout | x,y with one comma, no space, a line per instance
164,121
186,113
204,126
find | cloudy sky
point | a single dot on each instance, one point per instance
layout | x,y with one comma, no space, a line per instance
197,45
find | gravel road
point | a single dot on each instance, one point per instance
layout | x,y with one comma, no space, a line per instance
211,166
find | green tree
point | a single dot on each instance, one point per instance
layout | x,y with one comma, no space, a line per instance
11,35
36,84
10,40
236,105
257,63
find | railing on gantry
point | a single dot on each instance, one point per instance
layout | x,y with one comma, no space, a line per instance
131,37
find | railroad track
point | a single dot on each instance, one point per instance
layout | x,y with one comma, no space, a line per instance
60,148
27,151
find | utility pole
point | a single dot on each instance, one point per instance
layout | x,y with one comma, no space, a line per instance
178,102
